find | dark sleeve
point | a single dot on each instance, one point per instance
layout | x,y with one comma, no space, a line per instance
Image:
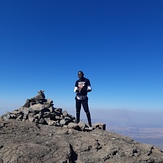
76,83
88,82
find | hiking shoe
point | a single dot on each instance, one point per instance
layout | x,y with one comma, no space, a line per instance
90,128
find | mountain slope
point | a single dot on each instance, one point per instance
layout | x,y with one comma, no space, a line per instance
26,142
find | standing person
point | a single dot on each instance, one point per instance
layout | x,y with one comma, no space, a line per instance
82,87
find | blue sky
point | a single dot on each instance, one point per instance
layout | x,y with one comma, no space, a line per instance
118,44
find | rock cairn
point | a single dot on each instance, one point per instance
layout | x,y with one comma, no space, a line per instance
42,111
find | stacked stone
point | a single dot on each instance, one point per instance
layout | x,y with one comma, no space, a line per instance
41,111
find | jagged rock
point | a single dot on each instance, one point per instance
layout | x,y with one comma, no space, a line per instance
6,116
82,125
73,125
62,122
49,121
65,113
31,117
99,126
36,107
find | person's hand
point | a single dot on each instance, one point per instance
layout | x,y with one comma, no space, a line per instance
83,90
79,89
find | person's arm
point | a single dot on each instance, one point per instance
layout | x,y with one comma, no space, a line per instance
76,89
89,88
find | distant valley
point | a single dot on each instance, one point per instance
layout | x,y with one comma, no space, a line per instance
153,136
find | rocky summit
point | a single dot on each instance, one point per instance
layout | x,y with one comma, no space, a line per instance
38,132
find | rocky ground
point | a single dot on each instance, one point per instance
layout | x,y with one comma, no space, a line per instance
29,142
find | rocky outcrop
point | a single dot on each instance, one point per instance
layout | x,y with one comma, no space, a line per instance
42,111
39,133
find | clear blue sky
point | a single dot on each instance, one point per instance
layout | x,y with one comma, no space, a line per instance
118,44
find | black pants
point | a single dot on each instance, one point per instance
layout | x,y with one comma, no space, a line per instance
84,103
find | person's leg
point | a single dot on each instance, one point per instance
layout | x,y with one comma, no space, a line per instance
78,108
86,109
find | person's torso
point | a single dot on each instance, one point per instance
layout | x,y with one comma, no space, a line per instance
83,84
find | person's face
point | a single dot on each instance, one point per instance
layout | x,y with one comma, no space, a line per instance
80,75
